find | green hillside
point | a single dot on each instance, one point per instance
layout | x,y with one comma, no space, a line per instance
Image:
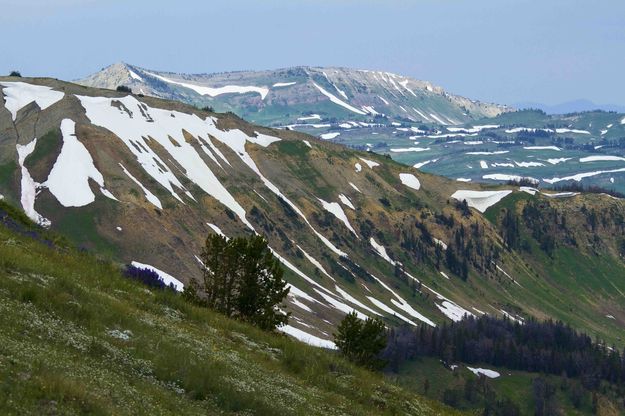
78,338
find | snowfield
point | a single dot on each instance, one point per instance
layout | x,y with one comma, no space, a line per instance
214,92
410,181
480,200
18,95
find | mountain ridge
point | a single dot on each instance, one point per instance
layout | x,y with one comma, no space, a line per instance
373,89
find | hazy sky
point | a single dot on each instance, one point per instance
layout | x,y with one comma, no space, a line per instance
505,51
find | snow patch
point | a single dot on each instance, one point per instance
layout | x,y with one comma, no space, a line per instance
484,372
148,195
330,136
419,165
410,181
29,186
345,200
283,84
354,186
602,158
307,338
214,92
453,311
338,101
370,163
381,251
542,148
480,200
69,178
19,94
335,209
409,149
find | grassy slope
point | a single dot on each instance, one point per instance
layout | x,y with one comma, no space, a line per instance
58,354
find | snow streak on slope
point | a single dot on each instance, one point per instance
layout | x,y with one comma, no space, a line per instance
167,278
19,94
29,186
283,84
307,338
384,307
355,301
217,230
315,263
578,177
345,200
338,101
213,92
453,311
355,187
381,251
602,158
484,371
69,179
403,305
148,195
335,209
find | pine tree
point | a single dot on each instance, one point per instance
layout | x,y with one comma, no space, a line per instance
361,341
242,279
261,286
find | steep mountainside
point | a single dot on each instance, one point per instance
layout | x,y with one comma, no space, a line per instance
143,179
303,95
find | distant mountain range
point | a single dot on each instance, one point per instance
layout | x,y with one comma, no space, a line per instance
575,106
292,95
414,121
